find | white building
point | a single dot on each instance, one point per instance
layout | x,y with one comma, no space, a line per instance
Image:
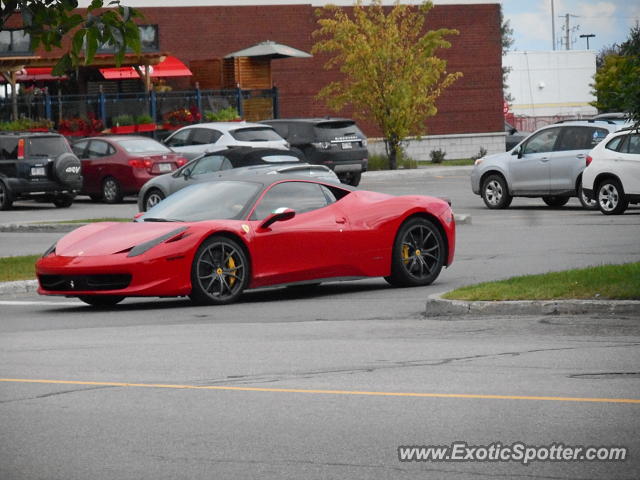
551,83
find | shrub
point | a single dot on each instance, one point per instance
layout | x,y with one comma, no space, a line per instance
381,162
26,124
143,119
480,154
122,120
223,115
437,156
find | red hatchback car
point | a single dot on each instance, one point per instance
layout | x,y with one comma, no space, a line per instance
115,166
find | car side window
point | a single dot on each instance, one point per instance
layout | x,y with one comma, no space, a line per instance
179,139
9,149
633,144
299,196
614,144
98,148
575,138
79,148
542,142
208,164
204,136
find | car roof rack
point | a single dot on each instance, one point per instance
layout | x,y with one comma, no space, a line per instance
588,120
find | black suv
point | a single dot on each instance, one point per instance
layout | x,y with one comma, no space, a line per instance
37,166
336,143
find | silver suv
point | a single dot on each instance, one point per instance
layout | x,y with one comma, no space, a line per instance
547,164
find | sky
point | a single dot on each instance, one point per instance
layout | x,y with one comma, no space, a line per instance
609,20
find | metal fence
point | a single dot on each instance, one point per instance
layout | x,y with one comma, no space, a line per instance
106,106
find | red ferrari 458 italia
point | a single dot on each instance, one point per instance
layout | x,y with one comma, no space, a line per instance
211,241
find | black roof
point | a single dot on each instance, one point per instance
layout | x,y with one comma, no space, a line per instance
308,120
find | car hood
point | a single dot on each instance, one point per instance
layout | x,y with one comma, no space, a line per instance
107,238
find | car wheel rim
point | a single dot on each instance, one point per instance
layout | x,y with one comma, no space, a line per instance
153,200
221,270
608,197
2,194
110,190
493,192
420,251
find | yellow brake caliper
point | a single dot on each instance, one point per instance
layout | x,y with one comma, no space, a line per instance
232,267
405,254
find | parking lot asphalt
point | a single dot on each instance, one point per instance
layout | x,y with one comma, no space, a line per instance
328,383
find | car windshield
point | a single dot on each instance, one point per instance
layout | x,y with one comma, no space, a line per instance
220,200
46,146
256,134
142,145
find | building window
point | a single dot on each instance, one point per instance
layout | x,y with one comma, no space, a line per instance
15,42
149,40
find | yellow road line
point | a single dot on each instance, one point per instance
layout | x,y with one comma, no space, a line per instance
328,392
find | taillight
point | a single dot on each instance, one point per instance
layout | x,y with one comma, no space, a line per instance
141,163
181,161
589,160
21,149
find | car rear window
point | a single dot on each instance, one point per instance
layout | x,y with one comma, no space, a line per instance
255,134
331,130
46,146
142,145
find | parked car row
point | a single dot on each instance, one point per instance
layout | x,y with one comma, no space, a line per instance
550,164
44,166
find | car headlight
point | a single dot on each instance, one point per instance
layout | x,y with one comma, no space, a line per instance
146,246
478,161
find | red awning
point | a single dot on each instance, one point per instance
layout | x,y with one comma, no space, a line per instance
170,67
37,73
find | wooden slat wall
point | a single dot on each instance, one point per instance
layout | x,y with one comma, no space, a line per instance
208,73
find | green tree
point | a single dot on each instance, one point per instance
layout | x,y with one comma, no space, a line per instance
506,40
48,22
617,81
391,72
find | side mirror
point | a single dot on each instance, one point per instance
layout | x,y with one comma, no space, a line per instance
518,151
279,215
512,131
186,173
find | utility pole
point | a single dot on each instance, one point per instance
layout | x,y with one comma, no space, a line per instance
568,30
588,36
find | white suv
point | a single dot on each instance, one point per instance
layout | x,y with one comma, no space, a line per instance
199,138
612,176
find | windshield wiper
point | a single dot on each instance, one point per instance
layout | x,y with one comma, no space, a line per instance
153,219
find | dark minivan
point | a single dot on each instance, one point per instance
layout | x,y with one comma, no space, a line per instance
336,143
38,166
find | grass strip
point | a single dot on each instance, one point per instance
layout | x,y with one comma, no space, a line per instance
612,282
18,268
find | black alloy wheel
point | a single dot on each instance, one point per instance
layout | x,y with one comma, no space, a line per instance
220,272
418,254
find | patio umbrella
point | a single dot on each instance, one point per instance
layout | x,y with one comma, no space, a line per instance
269,49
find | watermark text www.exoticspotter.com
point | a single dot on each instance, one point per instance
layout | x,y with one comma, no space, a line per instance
515,452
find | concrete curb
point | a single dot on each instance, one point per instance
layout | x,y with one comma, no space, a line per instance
438,306
417,172
22,286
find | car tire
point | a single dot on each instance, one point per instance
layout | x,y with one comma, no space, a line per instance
584,201
64,201
6,200
611,197
495,192
555,201
101,300
220,271
111,190
418,254
350,178
152,198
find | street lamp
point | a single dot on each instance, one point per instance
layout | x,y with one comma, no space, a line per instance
588,36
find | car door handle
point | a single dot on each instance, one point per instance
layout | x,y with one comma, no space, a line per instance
544,159
581,155
341,220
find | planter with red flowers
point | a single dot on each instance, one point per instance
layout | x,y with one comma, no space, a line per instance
81,126
181,117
